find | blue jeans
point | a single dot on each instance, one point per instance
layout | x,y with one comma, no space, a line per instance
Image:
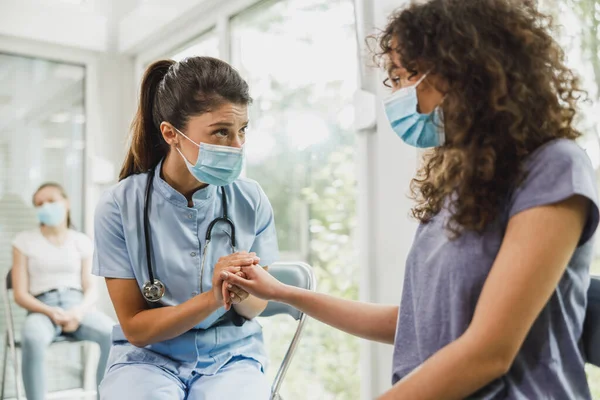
39,332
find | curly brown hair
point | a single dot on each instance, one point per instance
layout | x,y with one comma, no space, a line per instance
508,92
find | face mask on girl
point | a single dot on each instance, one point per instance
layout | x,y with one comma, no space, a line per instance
416,129
51,214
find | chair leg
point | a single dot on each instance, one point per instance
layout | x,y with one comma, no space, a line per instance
16,369
17,378
83,365
4,365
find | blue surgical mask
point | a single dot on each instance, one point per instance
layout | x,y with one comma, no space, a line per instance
216,165
52,214
416,129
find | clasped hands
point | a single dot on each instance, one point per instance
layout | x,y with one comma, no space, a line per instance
226,293
68,320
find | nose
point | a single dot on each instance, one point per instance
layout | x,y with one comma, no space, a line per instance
237,142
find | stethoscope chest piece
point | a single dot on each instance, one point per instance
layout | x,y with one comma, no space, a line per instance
154,291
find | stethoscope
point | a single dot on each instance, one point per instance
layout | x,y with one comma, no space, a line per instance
153,290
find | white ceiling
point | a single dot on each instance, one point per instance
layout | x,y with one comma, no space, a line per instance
97,25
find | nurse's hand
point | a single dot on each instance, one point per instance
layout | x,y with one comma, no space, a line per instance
258,282
233,264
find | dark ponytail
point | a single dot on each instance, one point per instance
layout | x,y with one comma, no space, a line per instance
147,146
173,92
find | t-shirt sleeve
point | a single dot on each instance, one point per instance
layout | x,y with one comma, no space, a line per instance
265,243
22,243
85,246
111,258
556,172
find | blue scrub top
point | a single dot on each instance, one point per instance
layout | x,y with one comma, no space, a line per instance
178,239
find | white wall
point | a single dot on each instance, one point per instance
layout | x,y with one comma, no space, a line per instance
113,107
54,23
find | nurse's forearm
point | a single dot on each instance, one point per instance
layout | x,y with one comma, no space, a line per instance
250,308
366,320
164,323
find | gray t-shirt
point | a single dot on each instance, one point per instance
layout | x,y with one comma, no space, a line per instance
444,278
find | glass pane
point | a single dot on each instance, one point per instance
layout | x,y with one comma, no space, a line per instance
580,24
206,45
300,148
42,126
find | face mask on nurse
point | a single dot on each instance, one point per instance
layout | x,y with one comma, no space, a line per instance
210,143
415,129
216,165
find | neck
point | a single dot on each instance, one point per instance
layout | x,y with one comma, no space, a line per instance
175,173
54,230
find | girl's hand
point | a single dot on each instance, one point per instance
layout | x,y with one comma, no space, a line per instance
257,281
232,264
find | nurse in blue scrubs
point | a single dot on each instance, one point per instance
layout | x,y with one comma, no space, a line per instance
198,339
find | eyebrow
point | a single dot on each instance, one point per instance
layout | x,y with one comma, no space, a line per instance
390,68
225,123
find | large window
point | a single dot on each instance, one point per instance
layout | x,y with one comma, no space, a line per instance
579,34
300,148
42,121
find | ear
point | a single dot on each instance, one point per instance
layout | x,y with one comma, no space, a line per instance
169,134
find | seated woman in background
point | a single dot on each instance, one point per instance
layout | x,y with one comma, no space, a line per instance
52,279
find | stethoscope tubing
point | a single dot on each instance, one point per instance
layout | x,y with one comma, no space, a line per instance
154,289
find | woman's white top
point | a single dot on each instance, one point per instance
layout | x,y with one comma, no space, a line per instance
50,266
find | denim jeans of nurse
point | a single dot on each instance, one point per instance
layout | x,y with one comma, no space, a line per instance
39,331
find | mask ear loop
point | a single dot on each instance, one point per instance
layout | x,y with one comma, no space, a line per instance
185,136
184,159
421,79
177,148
